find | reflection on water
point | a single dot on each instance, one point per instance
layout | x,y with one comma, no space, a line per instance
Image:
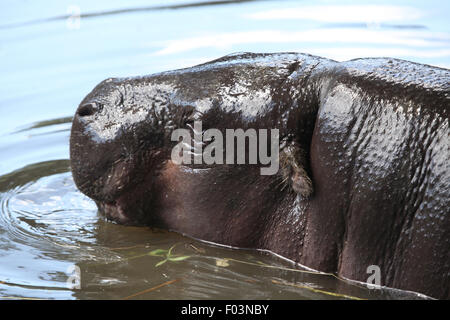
48,66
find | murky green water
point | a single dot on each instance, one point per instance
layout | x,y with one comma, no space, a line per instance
49,61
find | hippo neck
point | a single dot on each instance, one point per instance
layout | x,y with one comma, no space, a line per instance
298,101
220,204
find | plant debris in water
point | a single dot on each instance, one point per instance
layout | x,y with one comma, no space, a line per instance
169,256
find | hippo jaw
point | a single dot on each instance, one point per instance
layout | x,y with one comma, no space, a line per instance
114,211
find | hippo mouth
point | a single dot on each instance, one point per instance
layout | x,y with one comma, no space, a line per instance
115,211
130,194
103,185
126,209
116,192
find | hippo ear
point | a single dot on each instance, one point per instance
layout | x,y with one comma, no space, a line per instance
292,165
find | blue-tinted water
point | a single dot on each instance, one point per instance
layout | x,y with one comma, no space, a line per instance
50,59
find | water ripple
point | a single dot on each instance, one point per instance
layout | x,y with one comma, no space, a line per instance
46,210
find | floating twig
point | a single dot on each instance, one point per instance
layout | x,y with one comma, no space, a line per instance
317,290
151,289
261,264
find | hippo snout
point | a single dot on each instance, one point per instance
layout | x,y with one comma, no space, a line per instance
90,161
117,143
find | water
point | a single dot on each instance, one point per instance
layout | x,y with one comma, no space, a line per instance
49,60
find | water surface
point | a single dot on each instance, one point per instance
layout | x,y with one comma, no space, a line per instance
50,59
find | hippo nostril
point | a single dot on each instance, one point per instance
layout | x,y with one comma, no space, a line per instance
88,109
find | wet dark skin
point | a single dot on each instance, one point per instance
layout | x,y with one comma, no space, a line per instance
364,161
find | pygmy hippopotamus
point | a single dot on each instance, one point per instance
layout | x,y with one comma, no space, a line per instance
360,173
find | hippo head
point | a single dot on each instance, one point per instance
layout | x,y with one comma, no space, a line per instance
121,141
